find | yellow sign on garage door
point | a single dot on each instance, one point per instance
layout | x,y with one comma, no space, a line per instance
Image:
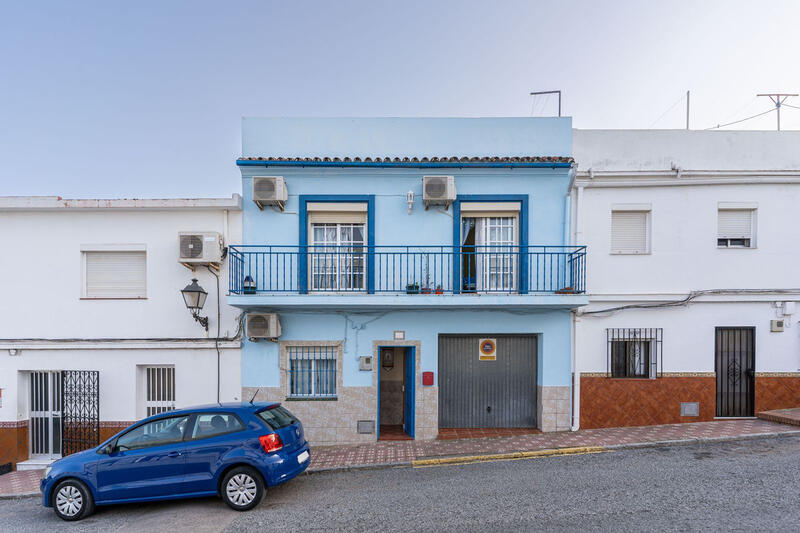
487,349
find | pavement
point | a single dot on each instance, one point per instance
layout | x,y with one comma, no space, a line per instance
405,453
742,485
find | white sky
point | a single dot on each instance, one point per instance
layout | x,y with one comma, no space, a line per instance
145,98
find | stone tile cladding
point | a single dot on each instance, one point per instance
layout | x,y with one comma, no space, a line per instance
609,402
553,405
333,422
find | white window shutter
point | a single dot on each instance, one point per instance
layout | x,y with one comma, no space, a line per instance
629,232
734,223
115,274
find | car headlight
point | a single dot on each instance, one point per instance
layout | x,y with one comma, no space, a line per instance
47,471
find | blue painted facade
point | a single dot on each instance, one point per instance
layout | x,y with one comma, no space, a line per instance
359,319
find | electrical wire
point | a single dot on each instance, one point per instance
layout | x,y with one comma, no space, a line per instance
691,296
790,105
679,100
742,120
216,339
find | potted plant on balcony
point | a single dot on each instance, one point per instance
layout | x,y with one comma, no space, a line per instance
426,290
248,285
412,288
439,289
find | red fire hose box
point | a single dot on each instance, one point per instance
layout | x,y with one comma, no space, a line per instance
427,379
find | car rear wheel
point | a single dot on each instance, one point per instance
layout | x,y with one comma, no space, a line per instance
72,500
242,488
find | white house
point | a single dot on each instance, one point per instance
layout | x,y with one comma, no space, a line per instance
94,331
693,255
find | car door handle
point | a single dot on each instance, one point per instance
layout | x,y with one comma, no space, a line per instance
174,454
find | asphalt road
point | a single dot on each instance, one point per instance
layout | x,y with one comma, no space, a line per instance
740,486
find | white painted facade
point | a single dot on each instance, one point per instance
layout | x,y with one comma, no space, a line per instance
48,323
681,179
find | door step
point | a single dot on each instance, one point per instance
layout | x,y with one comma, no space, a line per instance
34,464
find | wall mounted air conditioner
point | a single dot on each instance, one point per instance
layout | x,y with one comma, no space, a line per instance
199,248
263,326
270,190
438,190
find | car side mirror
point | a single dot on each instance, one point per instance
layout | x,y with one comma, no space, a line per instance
108,449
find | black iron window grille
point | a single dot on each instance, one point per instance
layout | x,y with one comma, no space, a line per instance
312,371
634,352
80,390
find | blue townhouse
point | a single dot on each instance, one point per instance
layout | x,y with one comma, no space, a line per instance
402,277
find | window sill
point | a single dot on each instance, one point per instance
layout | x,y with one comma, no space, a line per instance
631,379
630,253
113,298
737,247
311,399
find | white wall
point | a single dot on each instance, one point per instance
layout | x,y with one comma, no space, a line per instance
42,306
41,274
684,254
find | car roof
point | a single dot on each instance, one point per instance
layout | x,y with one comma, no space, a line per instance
216,407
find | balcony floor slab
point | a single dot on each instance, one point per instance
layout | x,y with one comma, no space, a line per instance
335,302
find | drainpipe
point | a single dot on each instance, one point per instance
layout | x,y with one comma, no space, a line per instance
576,381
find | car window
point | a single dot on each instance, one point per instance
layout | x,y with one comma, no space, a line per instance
210,424
156,433
277,417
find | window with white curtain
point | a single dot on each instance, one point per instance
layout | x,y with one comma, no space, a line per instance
735,228
115,274
630,232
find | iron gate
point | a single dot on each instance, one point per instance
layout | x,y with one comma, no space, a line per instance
735,367
496,393
80,404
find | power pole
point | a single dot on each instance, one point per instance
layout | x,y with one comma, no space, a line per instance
687,110
551,92
778,99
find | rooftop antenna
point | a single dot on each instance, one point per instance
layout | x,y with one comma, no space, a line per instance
778,99
254,395
538,93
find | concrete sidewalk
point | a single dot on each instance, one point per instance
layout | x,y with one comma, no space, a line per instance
404,453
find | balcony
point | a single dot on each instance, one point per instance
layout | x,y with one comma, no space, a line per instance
406,276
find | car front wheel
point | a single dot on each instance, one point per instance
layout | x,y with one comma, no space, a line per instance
242,488
72,500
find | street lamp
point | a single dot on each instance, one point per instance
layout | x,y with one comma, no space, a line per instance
195,298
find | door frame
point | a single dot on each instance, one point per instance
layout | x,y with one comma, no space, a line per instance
411,354
752,379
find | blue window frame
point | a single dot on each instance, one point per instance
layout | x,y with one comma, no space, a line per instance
302,267
523,232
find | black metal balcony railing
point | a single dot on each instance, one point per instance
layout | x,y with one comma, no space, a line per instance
261,269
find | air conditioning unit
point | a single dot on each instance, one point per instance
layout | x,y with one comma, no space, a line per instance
269,190
438,190
199,248
263,326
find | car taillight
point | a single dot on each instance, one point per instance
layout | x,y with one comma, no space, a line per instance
271,443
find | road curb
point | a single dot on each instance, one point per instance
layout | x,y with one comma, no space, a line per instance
575,450
701,440
19,495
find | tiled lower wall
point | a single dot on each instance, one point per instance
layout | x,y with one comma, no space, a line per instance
13,442
553,408
609,402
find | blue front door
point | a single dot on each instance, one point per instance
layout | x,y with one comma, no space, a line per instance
409,381
148,461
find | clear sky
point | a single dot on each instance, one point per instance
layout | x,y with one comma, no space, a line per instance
144,99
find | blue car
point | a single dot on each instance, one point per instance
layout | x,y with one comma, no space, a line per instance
235,451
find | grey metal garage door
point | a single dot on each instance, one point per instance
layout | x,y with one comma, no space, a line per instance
487,394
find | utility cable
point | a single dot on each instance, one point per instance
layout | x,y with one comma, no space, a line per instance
742,120
679,100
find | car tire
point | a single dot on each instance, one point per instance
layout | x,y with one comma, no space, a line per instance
72,500
242,488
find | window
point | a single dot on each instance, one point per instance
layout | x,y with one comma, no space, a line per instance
312,371
114,274
735,228
337,256
156,433
277,417
489,253
212,424
634,353
159,389
630,231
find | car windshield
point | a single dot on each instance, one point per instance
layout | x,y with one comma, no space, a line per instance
277,417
